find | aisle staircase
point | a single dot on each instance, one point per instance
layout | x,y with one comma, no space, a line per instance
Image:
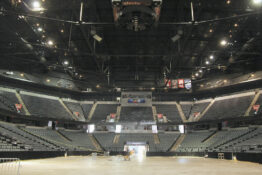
154,113
252,103
116,139
156,139
19,98
92,111
95,142
181,113
205,111
178,143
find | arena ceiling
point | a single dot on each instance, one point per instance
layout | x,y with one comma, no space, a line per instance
222,38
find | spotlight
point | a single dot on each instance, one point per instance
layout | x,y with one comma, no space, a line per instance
40,29
207,62
211,57
252,75
200,70
50,43
197,74
36,4
223,43
257,2
66,62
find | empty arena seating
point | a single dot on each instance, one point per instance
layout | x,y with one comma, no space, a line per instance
102,111
51,137
86,109
78,138
193,109
166,141
28,142
195,142
258,102
170,111
228,107
8,101
75,108
45,107
105,139
134,137
136,114
250,142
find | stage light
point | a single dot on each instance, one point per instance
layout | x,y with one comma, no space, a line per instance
252,75
207,62
66,62
21,74
211,57
40,29
197,74
47,80
50,43
36,4
200,70
223,43
257,2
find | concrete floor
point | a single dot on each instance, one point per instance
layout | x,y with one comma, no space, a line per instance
146,166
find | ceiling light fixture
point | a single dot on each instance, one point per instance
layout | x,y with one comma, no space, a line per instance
50,43
66,62
39,29
257,2
36,4
223,42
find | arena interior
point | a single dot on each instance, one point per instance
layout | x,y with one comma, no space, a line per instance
130,87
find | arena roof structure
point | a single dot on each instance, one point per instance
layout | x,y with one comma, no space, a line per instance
106,44
130,87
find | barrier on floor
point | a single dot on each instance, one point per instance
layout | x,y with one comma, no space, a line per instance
9,166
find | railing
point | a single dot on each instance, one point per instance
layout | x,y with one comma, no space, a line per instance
9,166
